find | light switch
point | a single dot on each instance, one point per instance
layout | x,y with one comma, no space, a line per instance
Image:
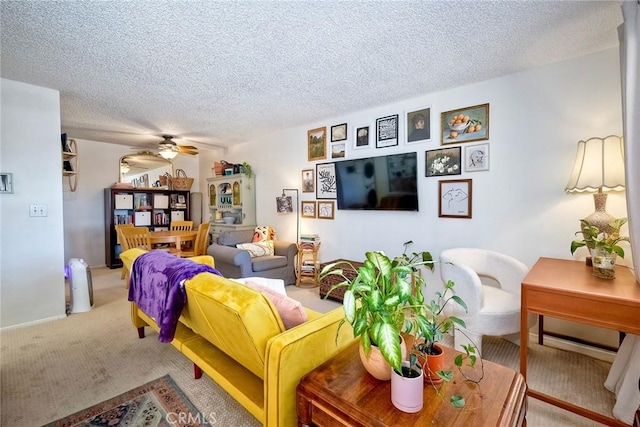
38,210
33,210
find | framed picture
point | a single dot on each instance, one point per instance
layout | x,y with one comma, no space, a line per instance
308,209
387,131
443,162
361,137
326,186
337,151
418,124
454,198
339,132
465,125
308,181
476,158
317,144
6,182
326,210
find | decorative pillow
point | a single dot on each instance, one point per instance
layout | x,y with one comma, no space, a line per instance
257,249
291,311
263,234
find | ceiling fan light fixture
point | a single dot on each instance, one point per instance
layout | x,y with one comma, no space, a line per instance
168,153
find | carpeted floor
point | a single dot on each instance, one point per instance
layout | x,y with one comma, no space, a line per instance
54,369
157,403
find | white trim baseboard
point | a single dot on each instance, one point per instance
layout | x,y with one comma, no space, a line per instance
596,353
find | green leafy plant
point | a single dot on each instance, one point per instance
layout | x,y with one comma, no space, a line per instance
246,169
377,301
433,323
594,238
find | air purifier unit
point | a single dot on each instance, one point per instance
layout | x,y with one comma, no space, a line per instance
81,286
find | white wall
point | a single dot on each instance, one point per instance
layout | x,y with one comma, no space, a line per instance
519,206
31,248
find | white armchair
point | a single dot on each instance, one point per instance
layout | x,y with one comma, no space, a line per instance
489,283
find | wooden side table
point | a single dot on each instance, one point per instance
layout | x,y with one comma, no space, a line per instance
568,290
307,265
341,392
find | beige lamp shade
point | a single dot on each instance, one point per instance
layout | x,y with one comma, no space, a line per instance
599,166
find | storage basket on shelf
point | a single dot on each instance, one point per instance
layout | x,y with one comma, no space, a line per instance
181,181
165,180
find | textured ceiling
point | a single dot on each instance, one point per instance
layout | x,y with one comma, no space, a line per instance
220,73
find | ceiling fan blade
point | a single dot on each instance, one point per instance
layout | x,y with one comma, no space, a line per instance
182,149
189,147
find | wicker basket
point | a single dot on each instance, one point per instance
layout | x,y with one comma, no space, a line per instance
328,281
180,181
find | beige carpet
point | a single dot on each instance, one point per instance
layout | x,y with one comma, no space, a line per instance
50,370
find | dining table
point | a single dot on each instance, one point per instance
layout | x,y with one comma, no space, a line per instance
176,237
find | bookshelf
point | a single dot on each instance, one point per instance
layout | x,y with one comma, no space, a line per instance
307,265
145,207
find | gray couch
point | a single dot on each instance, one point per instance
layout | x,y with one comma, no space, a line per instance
235,263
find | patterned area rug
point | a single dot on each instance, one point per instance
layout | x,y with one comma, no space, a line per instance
159,403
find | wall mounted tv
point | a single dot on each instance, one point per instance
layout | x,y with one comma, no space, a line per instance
378,183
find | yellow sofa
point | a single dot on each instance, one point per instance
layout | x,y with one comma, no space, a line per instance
236,336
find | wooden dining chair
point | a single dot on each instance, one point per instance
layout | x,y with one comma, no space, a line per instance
200,245
124,245
181,225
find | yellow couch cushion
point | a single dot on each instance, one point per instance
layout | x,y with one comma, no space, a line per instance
234,318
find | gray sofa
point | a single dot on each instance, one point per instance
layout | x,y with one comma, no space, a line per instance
235,263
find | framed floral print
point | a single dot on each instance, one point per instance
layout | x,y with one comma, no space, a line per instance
308,181
361,137
442,162
317,144
326,209
387,131
454,198
465,124
308,209
326,185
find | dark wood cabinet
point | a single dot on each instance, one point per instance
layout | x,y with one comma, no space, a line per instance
142,207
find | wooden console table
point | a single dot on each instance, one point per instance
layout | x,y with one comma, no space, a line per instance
342,393
567,290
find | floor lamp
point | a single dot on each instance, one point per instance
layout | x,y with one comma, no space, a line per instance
285,205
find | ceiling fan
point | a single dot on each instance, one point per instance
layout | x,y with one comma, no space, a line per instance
169,149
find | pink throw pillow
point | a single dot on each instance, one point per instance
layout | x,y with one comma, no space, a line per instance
291,311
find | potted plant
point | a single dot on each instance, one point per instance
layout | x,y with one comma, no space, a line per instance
376,302
407,388
603,246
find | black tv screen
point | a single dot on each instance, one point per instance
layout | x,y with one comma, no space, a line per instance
378,183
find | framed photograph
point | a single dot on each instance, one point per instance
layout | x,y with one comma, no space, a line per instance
454,198
361,137
326,186
418,124
339,132
308,209
6,182
443,162
387,131
476,158
317,144
337,151
326,210
308,181
465,124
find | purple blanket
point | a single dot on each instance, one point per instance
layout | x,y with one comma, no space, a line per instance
157,287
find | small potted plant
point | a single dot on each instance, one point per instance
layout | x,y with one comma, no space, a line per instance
407,388
377,301
603,246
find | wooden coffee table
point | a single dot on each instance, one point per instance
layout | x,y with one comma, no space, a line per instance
341,393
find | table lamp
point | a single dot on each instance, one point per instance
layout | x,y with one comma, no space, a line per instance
599,166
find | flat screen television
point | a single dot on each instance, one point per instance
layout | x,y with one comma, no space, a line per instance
378,183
